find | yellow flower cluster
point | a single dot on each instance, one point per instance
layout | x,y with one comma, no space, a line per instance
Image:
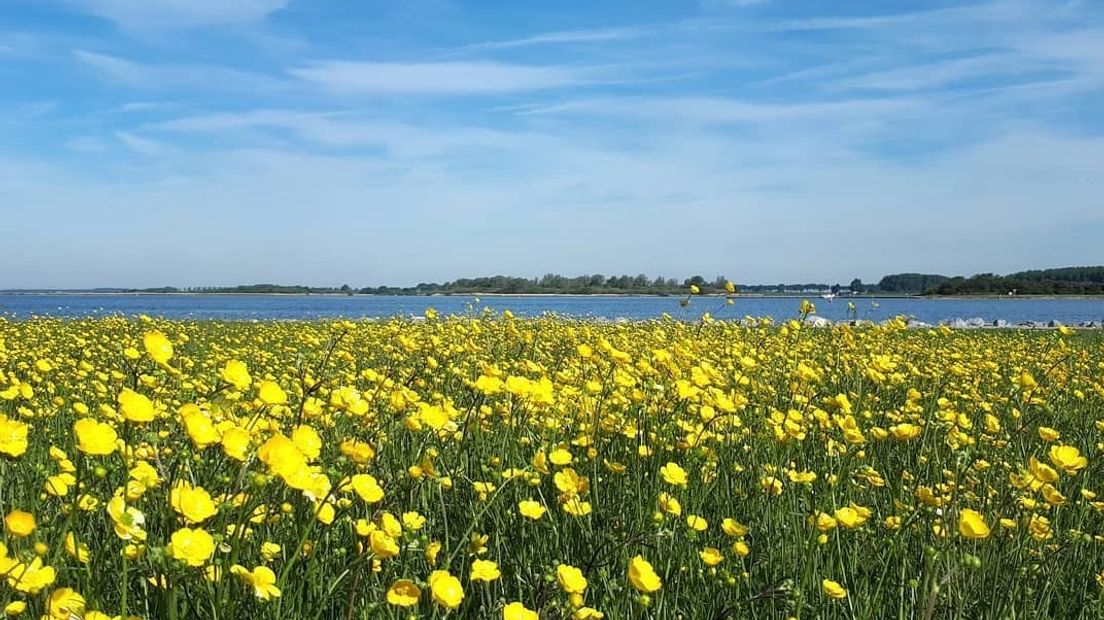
488,466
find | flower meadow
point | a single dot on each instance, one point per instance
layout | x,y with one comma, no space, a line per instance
487,466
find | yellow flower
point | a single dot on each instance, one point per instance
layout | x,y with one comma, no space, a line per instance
517,611
852,516
15,608
193,503
905,431
1067,458
559,456
270,551
697,523
127,520
19,523
158,347
13,437
669,504
193,547
95,438
1039,527
65,603
576,507
261,578
484,570
531,509
833,590
403,593
431,551
445,589
673,474
571,579
642,576
587,613
1049,434
825,522
413,521
711,556
135,407
366,487
734,528
30,578
270,393
199,427
383,546
741,548
972,525
77,550
236,374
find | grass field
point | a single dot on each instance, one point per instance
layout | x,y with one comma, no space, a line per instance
492,467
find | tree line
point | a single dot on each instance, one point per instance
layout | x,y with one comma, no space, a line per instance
1060,281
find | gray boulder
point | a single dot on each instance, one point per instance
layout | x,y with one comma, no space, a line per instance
1000,323
975,322
817,321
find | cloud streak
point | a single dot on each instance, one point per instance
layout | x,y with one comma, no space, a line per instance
179,14
435,78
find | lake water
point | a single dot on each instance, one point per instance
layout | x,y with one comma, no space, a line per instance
250,307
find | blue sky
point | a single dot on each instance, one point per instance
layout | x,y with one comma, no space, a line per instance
212,142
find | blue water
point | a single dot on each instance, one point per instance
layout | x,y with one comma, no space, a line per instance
250,307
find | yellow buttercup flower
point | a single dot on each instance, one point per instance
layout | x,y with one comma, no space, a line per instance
571,579
262,580
270,393
531,509
191,546
192,503
236,373
95,438
403,593
65,603
517,611
642,576
711,556
19,523
13,437
484,570
158,347
135,407
972,525
445,589
833,589
1067,458
673,474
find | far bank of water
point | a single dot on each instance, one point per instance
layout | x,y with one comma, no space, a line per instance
261,307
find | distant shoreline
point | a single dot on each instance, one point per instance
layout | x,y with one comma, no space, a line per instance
815,297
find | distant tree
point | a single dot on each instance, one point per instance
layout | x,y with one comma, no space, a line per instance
856,286
835,289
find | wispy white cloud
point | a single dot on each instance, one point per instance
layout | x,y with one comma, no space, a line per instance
145,146
182,76
993,11
435,78
86,144
721,110
176,14
601,35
